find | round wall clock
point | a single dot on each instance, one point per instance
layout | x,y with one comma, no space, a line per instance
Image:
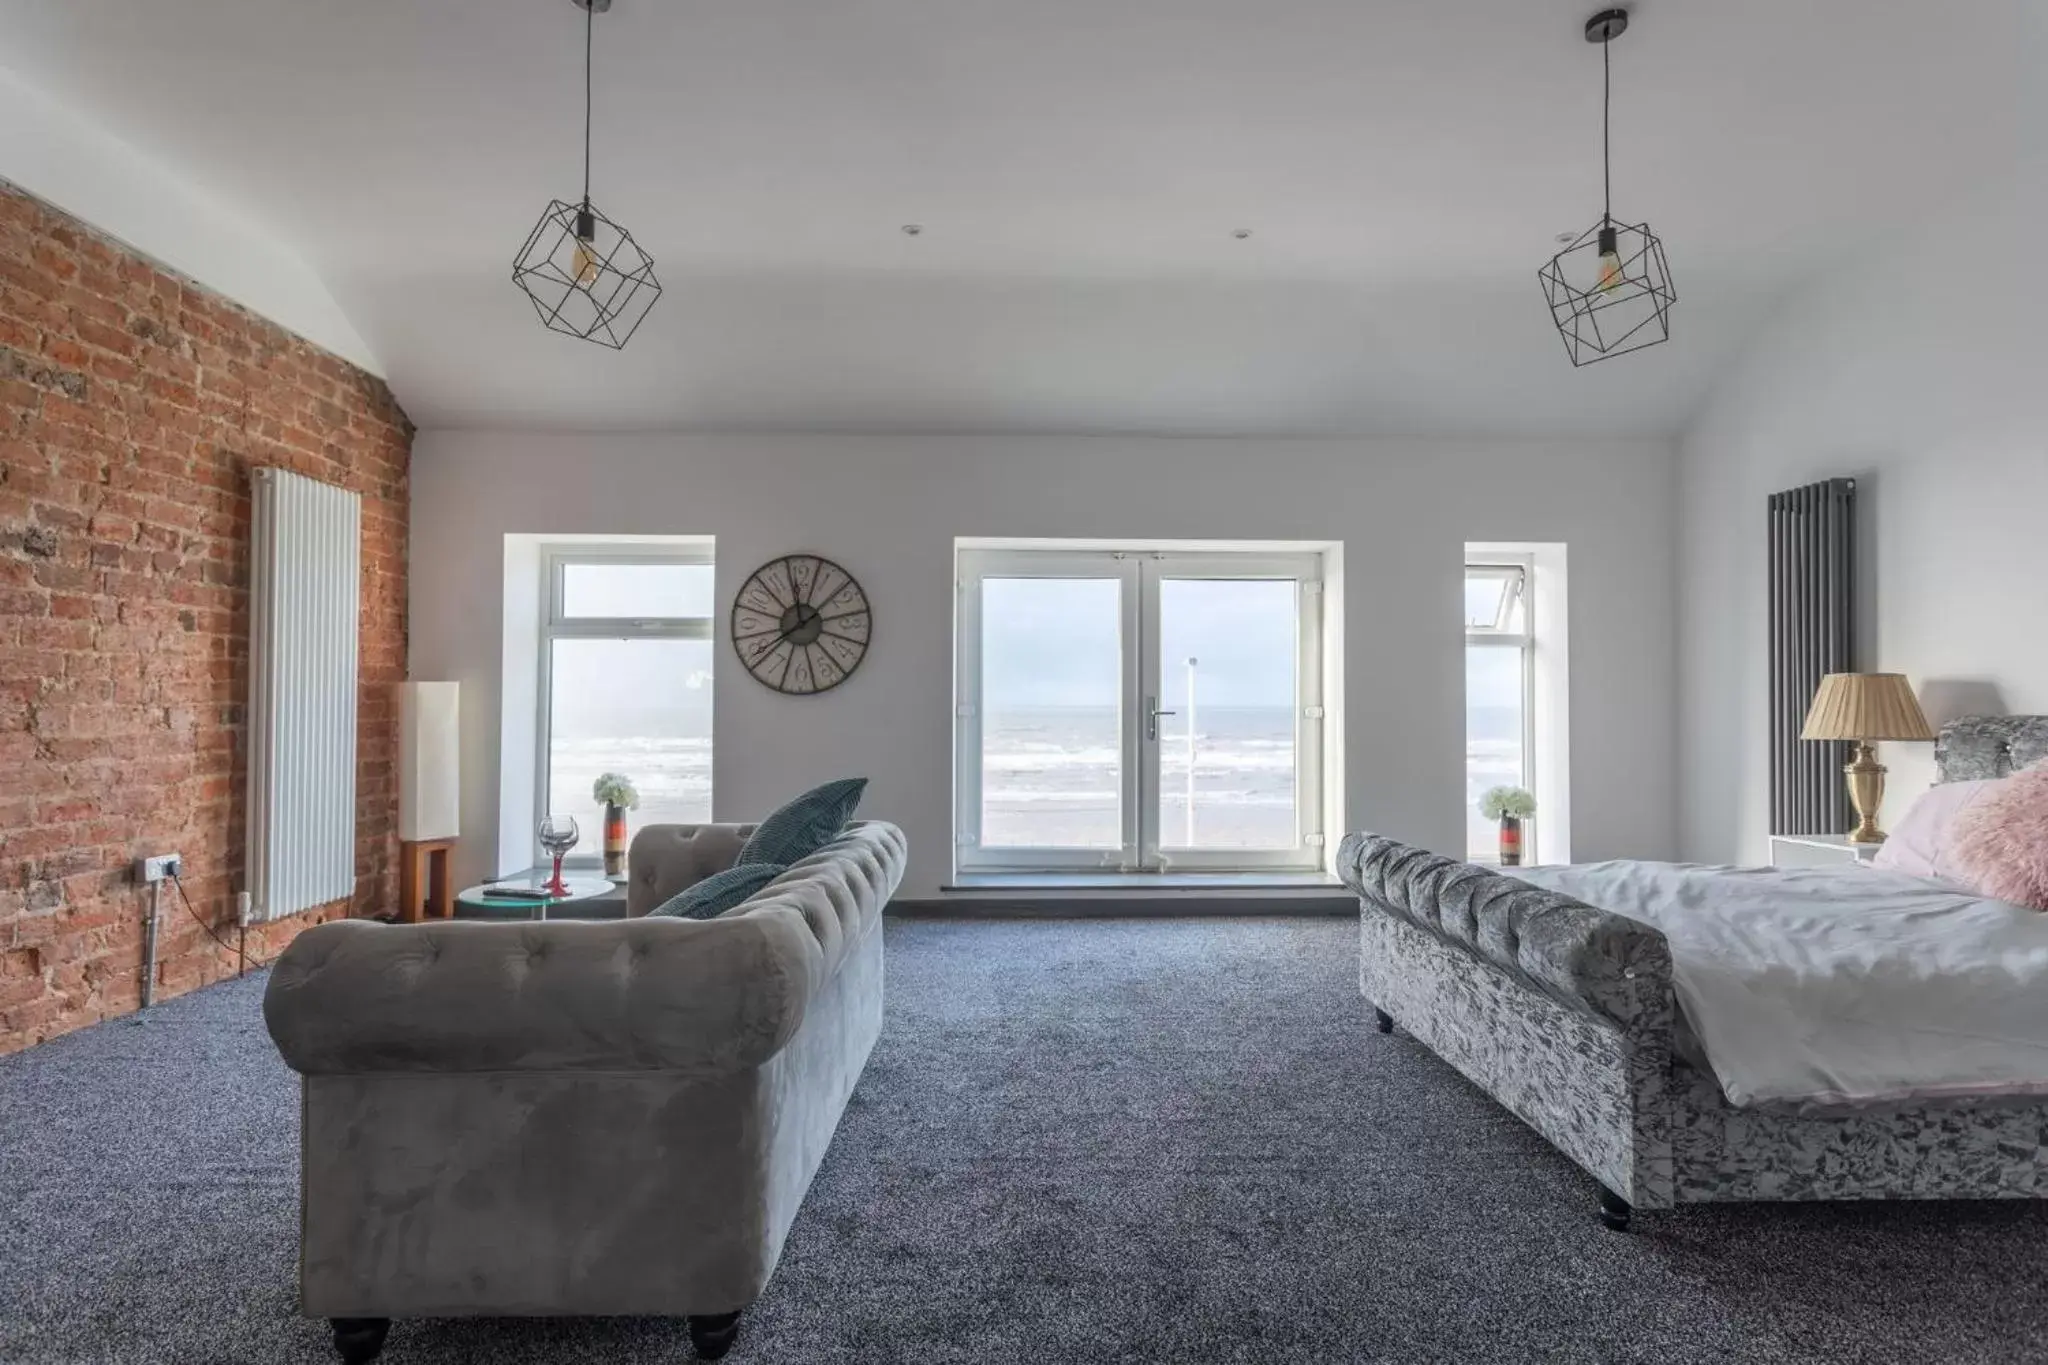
801,624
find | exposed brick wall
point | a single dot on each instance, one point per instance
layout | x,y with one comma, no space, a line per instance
133,404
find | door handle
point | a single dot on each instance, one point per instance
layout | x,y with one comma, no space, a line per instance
1152,715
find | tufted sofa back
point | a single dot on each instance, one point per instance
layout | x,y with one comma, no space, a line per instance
666,859
1591,960
694,996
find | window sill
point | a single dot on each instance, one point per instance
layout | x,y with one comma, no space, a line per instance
1141,881
1135,895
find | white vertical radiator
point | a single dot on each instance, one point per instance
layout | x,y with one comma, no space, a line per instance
303,589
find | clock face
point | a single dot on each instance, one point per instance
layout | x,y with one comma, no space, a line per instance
801,624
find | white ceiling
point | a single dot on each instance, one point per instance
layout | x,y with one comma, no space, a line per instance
1078,166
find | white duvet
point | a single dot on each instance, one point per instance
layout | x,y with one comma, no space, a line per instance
1841,986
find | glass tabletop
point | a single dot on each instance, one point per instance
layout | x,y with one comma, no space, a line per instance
488,897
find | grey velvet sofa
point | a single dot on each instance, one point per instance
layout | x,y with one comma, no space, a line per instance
1566,1014
573,1117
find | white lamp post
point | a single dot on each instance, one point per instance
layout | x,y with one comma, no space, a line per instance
1189,839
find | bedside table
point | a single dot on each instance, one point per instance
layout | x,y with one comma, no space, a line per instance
1808,850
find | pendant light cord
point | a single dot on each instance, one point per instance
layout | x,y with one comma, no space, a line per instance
589,31
1606,132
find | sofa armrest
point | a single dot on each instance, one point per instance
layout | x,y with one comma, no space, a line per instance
1594,961
666,859
712,997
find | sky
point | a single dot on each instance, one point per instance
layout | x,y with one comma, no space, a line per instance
1046,642
1056,641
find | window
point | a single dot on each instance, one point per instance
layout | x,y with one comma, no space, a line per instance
625,685
1499,694
1138,710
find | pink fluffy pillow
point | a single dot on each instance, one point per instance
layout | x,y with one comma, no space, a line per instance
2000,841
1919,843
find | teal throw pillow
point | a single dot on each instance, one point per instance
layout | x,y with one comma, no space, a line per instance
805,825
719,892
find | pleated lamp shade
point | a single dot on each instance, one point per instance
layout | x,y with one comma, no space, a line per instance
429,761
1865,706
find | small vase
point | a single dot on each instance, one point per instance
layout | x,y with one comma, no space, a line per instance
614,841
1511,841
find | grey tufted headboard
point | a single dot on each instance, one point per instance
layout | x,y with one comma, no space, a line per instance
1972,747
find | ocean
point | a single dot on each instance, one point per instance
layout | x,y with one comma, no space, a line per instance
1051,778
672,775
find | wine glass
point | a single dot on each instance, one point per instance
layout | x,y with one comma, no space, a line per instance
558,836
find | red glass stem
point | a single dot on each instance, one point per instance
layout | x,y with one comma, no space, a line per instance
557,887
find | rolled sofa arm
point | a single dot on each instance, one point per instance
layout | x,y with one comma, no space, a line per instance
709,996
1595,961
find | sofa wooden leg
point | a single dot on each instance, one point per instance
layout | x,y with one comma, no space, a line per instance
1382,1021
1614,1210
712,1333
359,1339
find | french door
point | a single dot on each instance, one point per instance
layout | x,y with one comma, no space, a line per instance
1138,711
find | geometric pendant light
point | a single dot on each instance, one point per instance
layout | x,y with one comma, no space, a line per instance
1610,290
584,273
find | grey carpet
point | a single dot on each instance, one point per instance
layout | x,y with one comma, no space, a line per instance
1096,1141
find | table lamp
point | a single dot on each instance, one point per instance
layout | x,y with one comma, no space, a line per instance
1863,708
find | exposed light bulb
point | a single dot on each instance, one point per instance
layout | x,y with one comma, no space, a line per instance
584,263
1611,276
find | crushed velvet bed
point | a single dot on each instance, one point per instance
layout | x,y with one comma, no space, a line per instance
1565,1013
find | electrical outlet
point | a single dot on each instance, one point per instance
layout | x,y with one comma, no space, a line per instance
151,870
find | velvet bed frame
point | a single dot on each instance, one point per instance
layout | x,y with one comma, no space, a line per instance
1565,1014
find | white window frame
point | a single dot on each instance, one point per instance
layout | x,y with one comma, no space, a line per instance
557,624
1500,636
1138,573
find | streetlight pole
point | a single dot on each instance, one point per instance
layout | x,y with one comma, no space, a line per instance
1190,828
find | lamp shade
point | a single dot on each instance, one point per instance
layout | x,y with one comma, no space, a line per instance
1865,706
429,761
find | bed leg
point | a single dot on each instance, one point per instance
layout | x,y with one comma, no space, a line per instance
1382,1021
1614,1210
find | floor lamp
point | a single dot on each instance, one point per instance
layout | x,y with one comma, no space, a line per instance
429,798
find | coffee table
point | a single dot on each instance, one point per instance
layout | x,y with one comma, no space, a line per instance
478,902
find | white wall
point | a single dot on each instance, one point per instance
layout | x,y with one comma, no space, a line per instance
890,508
1921,371
64,160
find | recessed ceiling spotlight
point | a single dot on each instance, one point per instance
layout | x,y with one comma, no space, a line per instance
1567,237
912,229
1241,233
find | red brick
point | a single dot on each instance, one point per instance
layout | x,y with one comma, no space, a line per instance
123,655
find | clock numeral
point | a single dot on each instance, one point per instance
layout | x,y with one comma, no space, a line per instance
823,668
852,626
801,574
749,623
765,649
797,677
830,580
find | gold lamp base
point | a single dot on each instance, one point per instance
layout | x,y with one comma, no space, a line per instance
1866,793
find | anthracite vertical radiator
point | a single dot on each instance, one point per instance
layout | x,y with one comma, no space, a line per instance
1812,536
